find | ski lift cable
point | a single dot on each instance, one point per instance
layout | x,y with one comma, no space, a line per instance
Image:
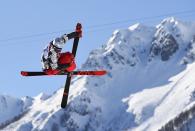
121,25
96,27
142,18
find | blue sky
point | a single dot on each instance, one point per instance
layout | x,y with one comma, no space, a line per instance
27,26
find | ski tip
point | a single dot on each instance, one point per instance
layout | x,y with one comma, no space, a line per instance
103,72
23,73
63,106
79,25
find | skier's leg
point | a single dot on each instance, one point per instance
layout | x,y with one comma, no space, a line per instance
63,66
65,61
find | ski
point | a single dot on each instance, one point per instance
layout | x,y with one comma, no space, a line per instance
95,73
68,79
66,91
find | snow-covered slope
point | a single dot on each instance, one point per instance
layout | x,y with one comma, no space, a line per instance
183,122
150,81
155,107
12,109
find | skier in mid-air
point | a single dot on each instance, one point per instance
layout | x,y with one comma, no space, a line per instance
56,63
53,60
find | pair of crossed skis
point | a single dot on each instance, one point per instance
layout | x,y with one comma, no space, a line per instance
69,74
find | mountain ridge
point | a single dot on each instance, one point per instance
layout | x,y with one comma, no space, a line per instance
144,64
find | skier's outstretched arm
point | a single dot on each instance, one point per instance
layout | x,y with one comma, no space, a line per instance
60,41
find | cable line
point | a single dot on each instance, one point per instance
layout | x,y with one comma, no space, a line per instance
97,26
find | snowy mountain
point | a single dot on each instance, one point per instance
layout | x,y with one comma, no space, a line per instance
12,109
150,82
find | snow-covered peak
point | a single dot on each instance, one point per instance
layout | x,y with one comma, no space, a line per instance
126,46
141,44
169,21
138,27
134,27
184,30
10,109
42,96
27,102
